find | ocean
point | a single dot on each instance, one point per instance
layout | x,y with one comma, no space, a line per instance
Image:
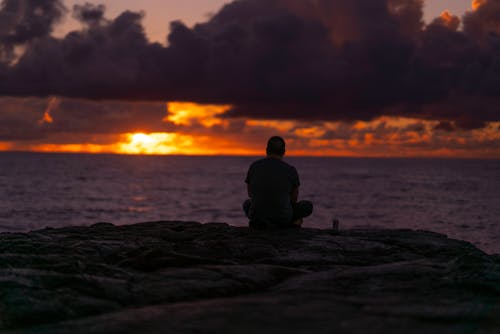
460,198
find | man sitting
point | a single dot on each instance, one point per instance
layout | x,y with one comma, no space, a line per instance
273,188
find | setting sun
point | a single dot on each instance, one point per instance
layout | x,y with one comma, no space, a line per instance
155,143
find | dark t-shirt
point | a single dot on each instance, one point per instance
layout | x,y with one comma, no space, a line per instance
271,181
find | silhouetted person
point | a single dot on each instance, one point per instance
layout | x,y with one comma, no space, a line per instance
273,188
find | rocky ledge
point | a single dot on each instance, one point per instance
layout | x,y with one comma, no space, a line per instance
179,277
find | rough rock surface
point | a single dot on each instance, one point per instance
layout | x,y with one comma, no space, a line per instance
178,277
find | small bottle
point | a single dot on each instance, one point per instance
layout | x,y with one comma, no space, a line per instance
335,225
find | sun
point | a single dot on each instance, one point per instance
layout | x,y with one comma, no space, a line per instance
153,143
143,139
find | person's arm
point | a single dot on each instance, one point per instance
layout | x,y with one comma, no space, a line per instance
247,181
294,195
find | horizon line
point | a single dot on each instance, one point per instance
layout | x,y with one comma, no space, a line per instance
423,157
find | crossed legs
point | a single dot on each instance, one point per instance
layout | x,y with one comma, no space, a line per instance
301,209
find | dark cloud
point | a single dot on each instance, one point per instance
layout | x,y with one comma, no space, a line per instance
447,20
19,119
90,117
22,21
90,14
445,126
23,119
277,59
484,23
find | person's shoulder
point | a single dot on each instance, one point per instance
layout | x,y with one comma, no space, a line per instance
288,165
258,165
291,169
258,162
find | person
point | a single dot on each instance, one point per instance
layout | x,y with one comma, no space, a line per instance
273,191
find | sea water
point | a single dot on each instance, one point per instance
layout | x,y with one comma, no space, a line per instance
460,198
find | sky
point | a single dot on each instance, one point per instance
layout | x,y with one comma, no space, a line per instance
376,78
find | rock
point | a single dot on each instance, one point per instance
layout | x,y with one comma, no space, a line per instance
185,277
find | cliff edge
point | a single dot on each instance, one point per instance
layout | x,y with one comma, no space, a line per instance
183,277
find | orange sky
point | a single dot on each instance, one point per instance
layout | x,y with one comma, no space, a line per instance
195,129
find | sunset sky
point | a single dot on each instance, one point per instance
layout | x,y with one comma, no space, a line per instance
335,78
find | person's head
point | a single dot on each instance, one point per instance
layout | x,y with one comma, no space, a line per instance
276,146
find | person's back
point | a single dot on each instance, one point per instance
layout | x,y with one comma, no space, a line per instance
273,187
270,183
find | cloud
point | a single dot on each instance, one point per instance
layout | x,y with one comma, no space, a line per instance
90,14
20,121
448,20
483,24
22,21
38,118
309,60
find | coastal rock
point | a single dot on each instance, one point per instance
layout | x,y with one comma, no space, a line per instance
186,277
